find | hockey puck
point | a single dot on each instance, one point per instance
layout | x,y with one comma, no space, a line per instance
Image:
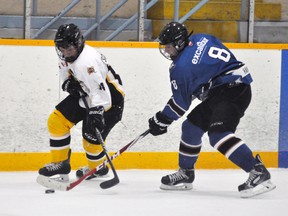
48,191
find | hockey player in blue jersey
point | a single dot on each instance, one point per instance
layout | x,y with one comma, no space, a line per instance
202,67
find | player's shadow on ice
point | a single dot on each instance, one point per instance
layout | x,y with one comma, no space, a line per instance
197,193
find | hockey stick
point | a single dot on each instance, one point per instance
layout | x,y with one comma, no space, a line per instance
111,182
66,186
115,180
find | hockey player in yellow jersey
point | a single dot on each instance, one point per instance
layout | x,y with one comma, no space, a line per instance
82,68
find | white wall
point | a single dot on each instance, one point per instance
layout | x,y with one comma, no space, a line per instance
29,90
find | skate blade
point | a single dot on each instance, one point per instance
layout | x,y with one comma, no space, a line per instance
264,187
178,187
61,178
52,183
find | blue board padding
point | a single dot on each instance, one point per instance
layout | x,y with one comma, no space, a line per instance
283,127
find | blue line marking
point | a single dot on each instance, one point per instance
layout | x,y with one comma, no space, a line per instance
283,121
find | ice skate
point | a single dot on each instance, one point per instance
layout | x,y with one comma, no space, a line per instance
180,180
258,181
99,173
58,171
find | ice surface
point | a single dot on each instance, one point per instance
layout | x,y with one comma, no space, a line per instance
214,193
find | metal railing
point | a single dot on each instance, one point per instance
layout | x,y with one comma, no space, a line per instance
61,14
143,7
30,11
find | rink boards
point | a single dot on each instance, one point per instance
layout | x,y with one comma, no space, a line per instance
30,88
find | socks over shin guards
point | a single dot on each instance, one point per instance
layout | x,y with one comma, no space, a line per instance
234,149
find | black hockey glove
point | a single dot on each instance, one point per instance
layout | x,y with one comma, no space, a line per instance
72,87
158,124
95,119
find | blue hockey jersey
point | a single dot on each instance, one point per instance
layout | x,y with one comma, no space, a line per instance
203,65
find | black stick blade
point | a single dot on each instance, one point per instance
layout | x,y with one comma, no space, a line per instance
109,183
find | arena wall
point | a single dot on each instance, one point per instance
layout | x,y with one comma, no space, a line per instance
30,88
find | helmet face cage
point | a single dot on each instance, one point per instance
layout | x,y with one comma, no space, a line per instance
67,36
175,34
171,54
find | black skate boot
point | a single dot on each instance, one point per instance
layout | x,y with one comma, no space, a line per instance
99,173
180,180
258,181
62,169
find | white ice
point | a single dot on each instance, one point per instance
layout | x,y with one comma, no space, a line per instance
214,194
